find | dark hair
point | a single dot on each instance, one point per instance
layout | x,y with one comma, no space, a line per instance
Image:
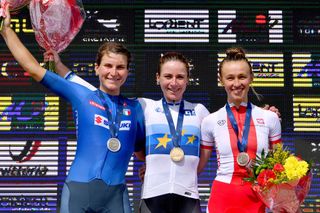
234,54
173,56
113,47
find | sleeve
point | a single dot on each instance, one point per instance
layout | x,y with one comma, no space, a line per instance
207,139
63,88
71,76
141,130
275,129
143,103
202,112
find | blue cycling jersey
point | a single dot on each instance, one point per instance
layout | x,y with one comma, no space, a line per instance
93,160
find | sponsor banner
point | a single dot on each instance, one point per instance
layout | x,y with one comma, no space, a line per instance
28,197
179,26
250,26
21,24
29,112
268,69
306,28
30,158
103,25
11,73
306,113
306,69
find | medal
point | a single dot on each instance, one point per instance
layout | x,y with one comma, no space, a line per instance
243,159
176,154
113,144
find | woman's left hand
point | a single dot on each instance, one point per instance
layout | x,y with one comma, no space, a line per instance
273,109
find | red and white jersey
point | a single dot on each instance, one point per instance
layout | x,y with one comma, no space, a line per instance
216,129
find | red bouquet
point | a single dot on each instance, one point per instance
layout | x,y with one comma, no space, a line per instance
56,22
14,5
280,180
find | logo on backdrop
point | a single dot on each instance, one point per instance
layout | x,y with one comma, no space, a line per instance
176,26
115,25
306,28
250,27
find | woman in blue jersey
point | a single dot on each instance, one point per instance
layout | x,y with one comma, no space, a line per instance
107,134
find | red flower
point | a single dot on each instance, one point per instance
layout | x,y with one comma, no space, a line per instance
278,167
265,176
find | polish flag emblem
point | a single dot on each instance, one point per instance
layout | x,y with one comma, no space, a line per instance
260,121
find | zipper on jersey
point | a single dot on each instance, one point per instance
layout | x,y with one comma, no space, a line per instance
113,110
172,176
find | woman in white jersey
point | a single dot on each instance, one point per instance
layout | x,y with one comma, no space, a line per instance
172,142
239,131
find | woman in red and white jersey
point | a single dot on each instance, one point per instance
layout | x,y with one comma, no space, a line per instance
239,131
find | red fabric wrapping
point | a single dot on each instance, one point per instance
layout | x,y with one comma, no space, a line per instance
56,22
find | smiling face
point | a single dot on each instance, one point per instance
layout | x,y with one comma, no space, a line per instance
112,72
173,79
236,78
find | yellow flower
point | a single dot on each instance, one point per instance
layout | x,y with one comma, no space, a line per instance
294,168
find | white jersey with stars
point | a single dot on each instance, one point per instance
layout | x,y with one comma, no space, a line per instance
164,176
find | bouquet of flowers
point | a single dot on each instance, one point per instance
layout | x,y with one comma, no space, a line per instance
14,6
280,179
56,23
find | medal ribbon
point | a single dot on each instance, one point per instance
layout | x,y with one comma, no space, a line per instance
242,146
175,132
113,122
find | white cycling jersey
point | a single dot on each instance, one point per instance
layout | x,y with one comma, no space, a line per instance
164,176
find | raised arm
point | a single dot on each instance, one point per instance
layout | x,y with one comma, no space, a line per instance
19,51
64,71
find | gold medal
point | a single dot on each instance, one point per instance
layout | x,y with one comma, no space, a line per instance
176,154
243,159
113,144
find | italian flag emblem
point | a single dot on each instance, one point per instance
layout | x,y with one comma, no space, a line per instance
126,112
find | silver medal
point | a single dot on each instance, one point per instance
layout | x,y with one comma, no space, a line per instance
243,159
113,144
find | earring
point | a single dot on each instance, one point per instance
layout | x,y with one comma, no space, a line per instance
158,83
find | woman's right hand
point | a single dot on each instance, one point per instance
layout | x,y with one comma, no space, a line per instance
142,171
4,6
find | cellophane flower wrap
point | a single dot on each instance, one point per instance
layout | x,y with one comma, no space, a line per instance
14,6
280,179
56,22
